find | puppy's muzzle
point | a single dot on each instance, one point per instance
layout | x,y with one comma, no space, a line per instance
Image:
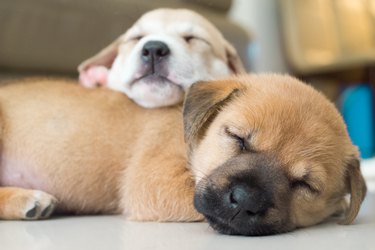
246,195
154,52
249,201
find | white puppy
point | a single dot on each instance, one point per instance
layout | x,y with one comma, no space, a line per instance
161,56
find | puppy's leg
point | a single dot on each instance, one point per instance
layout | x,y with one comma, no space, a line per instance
159,189
25,204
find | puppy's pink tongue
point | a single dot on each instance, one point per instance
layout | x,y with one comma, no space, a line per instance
94,76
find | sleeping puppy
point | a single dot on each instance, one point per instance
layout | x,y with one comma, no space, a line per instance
267,154
157,59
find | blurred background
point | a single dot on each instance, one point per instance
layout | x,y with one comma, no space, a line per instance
327,43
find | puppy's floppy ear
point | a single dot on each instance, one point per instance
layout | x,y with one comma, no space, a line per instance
104,58
233,60
357,189
202,103
93,72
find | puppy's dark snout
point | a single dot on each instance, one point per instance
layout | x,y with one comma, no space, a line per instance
249,200
155,50
246,195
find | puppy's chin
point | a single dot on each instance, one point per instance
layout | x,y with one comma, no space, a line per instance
224,227
155,92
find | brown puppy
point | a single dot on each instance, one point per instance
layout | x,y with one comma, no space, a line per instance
90,151
269,154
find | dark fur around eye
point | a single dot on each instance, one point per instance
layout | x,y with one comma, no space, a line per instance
241,143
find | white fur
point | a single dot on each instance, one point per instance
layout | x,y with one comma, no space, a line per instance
187,63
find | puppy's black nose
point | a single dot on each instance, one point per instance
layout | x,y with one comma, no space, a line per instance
249,200
154,51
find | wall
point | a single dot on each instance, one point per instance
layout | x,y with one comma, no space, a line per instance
261,18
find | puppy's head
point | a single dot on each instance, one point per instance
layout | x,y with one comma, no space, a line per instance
166,51
269,154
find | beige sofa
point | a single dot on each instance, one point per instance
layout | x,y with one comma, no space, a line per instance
54,36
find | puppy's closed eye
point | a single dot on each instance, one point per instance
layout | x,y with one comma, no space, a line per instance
242,142
303,184
135,38
191,38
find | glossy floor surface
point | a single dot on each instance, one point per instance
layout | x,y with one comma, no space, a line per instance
114,232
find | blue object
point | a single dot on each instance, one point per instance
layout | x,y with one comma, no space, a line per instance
357,110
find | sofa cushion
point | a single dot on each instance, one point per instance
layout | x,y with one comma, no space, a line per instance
56,35
221,5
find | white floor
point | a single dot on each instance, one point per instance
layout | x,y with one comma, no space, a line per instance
113,232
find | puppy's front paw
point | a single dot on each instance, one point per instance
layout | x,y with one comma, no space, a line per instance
25,204
38,205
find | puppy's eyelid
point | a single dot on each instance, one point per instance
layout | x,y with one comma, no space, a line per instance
188,38
302,183
243,142
135,38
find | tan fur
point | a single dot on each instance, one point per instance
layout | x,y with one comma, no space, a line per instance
287,120
16,202
95,151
